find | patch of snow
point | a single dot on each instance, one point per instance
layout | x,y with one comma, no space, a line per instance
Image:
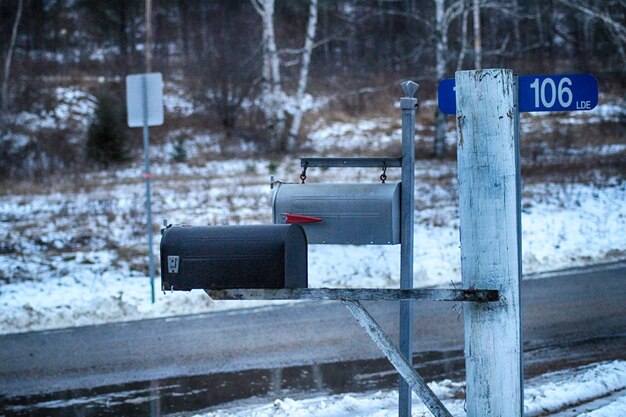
177,103
373,134
14,142
553,391
606,112
195,146
565,225
72,108
377,404
99,54
542,395
93,294
308,103
73,102
614,409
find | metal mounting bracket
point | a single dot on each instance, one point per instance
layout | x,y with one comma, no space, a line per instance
350,162
356,294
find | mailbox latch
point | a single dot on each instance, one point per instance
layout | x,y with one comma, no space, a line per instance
172,264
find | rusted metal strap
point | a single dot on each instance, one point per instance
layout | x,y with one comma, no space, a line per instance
397,359
356,294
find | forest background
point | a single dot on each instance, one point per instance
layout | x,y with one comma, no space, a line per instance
256,71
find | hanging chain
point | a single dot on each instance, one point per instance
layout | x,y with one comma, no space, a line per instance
303,175
383,176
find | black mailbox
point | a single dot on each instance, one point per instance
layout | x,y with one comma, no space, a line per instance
223,257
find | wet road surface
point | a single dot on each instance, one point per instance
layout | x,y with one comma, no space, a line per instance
207,392
193,362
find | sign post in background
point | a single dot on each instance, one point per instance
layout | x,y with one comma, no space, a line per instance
144,104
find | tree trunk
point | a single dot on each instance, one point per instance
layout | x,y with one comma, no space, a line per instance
614,26
4,96
459,63
204,29
516,30
123,37
148,45
540,27
277,105
273,103
477,41
439,145
326,45
304,76
266,90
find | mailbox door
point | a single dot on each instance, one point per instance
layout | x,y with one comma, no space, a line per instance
222,257
358,214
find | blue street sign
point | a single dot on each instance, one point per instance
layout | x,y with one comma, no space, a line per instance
539,93
558,92
446,96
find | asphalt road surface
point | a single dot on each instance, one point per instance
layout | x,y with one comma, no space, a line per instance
569,305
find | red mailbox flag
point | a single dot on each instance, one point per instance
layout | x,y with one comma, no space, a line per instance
299,218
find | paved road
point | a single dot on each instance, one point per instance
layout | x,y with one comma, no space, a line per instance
568,305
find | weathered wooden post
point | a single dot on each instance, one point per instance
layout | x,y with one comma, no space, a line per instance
488,173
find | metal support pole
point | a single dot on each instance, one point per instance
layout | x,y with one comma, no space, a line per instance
408,104
397,359
488,172
146,175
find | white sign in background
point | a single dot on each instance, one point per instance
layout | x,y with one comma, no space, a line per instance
135,97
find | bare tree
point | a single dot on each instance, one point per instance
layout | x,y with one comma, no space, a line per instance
148,45
516,30
600,10
273,95
444,16
463,49
225,73
4,95
304,76
477,40
115,21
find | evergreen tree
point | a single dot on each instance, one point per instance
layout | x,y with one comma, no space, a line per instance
107,140
180,153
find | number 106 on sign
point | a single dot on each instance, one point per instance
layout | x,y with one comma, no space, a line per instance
558,92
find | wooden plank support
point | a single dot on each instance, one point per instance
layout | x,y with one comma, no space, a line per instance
397,359
350,162
355,294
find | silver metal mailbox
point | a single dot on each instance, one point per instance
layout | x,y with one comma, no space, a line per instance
356,214
226,257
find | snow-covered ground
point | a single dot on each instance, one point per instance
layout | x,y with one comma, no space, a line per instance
77,257
543,395
74,253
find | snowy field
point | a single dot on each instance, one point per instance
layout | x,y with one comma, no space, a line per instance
74,253
62,283
597,390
